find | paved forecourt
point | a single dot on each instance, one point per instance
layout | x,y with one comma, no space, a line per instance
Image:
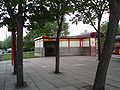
77,73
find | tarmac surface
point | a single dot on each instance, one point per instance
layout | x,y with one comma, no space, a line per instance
77,73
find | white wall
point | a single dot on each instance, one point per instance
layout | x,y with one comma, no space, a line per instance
38,43
74,43
63,43
86,43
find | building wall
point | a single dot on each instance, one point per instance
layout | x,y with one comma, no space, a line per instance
74,43
74,51
41,44
39,52
66,51
85,43
67,47
63,43
85,51
38,43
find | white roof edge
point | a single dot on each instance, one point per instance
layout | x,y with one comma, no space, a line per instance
37,38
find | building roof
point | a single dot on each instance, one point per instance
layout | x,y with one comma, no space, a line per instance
83,36
87,35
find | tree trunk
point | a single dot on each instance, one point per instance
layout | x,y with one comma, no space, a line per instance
14,49
119,9
57,53
19,61
99,83
99,38
18,19
57,43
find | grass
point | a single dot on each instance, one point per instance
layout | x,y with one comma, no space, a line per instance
6,57
29,55
25,55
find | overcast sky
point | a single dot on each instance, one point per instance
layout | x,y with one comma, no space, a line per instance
73,28
4,33
80,27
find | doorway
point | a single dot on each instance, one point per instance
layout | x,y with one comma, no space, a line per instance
50,48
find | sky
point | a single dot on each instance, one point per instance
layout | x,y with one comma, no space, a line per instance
4,33
73,28
80,27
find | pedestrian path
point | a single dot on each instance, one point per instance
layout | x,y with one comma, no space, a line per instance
77,73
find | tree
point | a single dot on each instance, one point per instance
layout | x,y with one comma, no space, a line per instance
104,28
6,43
58,9
18,12
15,11
99,83
28,44
33,11
1,45
49,29
19,19
89,11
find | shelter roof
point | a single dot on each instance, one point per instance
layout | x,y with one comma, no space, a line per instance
82,36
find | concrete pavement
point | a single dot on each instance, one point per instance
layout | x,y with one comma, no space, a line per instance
77,73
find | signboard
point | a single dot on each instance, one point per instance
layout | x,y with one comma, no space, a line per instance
92,42
92,46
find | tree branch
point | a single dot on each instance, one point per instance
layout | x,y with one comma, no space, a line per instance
25,10
61,21
90,21
20,9
105,6
95,8
102,10
10,10
57,18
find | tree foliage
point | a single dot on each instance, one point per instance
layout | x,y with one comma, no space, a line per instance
0,44
28,45
104,28
89,11
49,29
6,43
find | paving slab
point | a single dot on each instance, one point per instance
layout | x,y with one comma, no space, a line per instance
77,73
